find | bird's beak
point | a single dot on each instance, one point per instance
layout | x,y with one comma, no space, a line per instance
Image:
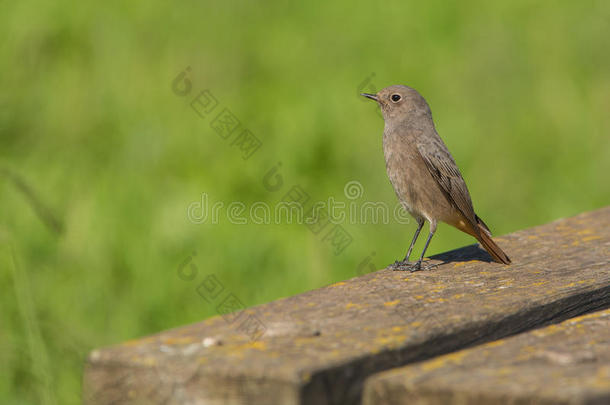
371,96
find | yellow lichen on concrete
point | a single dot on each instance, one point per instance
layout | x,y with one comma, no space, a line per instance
259,345
495,343
178,340
391,303
340,283
442,361
549,330
600,314
570,285
390,341
307,340
438,288
505,371
145,361
240,350
138,342
539,283
306,376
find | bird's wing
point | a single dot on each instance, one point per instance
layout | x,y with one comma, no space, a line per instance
442,167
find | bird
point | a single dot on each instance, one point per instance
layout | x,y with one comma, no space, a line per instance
424,174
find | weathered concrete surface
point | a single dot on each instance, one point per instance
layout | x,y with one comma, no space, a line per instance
567,363
318,347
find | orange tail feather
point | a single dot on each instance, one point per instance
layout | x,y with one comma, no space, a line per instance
492,248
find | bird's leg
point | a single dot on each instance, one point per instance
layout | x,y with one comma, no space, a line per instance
405,261
417,265
420,225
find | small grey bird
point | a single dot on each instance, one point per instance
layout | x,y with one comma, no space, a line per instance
423,173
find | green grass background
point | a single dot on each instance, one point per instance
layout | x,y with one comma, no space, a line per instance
520,92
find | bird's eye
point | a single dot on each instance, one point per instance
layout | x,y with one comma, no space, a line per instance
396,98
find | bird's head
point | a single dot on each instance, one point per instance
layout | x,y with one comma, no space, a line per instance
400,103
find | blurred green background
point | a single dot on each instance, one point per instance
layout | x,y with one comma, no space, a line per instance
92,134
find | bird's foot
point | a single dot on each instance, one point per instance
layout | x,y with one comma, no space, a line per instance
404,265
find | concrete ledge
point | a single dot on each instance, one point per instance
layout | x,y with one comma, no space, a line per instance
567,363
320,346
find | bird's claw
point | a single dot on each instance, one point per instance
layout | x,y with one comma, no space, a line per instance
404,265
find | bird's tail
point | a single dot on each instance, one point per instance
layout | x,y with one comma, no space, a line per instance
492,248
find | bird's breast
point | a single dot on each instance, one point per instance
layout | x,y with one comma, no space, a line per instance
402,169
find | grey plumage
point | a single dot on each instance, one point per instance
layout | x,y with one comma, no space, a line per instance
423,173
